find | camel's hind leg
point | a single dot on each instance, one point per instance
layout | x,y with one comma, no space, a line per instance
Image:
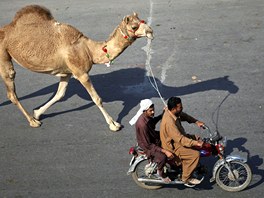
59,94
7,72
86,82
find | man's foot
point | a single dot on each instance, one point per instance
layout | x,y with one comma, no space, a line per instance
191,182
164,179
163,176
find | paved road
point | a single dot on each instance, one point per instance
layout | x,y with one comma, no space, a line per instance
73,154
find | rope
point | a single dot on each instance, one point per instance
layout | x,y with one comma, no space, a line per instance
148,52
153,82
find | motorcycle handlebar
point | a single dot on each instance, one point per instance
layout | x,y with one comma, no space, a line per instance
204,127
212,138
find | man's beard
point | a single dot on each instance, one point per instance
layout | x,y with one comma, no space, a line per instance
177,114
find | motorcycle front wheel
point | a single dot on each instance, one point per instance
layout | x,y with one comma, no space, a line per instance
140,173
235,178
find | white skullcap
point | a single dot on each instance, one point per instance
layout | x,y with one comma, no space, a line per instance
144,105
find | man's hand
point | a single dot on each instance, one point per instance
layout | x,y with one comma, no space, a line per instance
197,137
168,154
199,123
199,143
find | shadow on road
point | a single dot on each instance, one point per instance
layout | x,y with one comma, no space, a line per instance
130,86
234,147
237,145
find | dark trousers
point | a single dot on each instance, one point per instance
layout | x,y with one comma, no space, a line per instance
160,158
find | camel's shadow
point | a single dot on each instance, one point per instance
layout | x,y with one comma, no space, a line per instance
130,86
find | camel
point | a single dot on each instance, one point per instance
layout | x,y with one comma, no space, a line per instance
36,41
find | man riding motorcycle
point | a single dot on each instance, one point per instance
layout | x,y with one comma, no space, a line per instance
148,138
174,138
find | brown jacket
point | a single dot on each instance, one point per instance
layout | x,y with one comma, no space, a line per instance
172,134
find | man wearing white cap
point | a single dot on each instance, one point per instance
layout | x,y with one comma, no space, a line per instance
148,138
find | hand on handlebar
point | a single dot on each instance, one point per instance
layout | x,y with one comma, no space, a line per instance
197,137
200,124
199,143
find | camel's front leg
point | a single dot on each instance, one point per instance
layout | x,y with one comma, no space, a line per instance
86,82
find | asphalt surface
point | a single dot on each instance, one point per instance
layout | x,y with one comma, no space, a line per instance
210,53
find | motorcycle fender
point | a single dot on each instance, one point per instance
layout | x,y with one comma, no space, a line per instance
134,162
229,158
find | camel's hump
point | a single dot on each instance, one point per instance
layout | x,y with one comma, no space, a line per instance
32,13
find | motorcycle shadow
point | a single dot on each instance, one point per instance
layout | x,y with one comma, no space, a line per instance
236,147
205,185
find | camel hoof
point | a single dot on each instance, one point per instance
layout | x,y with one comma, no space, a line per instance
117,124
34,123
114,126
36,114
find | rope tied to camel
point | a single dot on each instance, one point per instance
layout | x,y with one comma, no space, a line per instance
151,78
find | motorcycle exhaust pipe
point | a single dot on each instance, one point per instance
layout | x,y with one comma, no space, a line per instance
158,181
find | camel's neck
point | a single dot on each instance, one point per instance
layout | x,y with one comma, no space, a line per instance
104,52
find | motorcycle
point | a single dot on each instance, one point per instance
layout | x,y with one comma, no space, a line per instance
231,173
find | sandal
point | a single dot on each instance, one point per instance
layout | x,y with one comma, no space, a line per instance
191,182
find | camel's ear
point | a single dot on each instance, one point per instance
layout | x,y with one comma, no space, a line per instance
126,19
135,14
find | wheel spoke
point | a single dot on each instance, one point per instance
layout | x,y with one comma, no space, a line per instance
235,178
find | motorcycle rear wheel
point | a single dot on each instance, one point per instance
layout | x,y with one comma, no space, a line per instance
140,173
237,181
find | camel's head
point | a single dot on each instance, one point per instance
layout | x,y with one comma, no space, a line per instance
136,27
